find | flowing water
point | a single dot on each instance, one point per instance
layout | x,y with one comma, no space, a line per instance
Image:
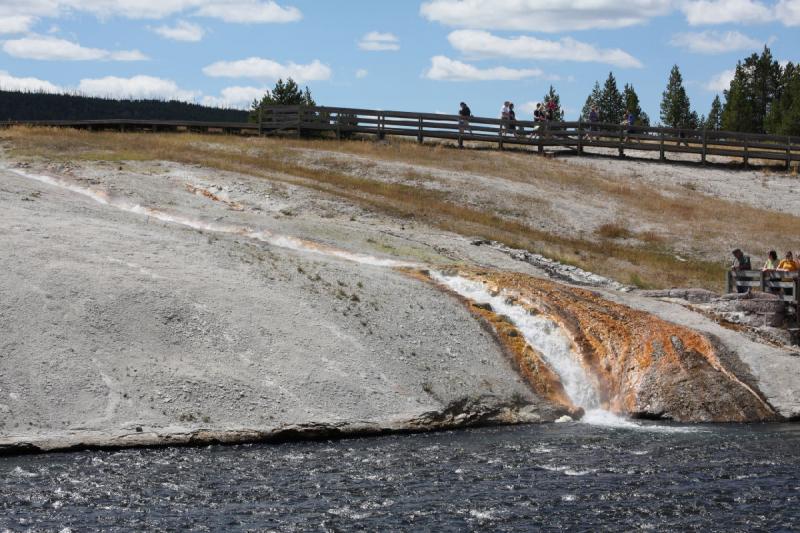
570,476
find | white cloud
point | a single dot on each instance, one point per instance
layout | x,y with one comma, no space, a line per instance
135,87
727,11
11,83
714,42
446,69
15,23
244,11
248,12
376,41
181,31
478,44
543,15
720,82
788,12
235,97
267,69
52,48
361,73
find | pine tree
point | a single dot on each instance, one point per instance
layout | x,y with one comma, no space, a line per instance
593,100
755,86
737,114
632,105
784,114
284,93
675,108
552,96
714,120
611,103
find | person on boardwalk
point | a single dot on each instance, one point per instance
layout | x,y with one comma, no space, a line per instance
512,119
788,264
770,270
772,261
465,113
504,117
628,122
552,109
740,262
538,118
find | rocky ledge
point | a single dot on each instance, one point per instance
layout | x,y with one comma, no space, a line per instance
479,411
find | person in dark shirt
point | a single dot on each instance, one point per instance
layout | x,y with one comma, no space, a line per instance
512,119
740,262
464,112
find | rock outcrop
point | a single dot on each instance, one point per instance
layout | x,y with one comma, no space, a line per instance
645,366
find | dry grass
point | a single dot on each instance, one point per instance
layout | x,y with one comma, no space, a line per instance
653,263
614,230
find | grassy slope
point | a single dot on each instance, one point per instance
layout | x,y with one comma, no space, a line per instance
650,261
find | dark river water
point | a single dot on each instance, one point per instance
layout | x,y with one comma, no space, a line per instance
572,477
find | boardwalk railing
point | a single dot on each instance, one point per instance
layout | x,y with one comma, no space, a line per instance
784,284
575,136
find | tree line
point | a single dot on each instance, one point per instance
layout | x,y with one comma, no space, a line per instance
21,106
763,97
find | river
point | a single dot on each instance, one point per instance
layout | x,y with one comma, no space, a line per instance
572,476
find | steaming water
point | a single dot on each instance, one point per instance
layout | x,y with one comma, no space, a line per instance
555,477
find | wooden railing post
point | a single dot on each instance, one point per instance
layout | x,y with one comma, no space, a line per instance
788,152
797,300
542,133
338,125
621,140
381,126
763,281
662,156
580,136
705,147
746,154
419,133
300,121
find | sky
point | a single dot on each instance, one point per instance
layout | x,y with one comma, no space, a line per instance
404,55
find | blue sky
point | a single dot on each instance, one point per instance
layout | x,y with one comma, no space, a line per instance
403,55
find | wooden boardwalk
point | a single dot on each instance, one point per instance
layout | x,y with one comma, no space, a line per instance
572,137
784,284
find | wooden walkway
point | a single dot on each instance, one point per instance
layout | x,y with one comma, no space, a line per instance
572,137
784,284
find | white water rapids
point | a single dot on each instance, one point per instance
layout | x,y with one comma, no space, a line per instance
542,334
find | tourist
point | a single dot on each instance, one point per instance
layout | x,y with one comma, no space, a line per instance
465,113
772,261
628,123
538,113
552,110
788,264
740,262
504,117
512,119
538,118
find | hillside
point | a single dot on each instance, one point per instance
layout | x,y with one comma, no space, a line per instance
15,105
180,288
